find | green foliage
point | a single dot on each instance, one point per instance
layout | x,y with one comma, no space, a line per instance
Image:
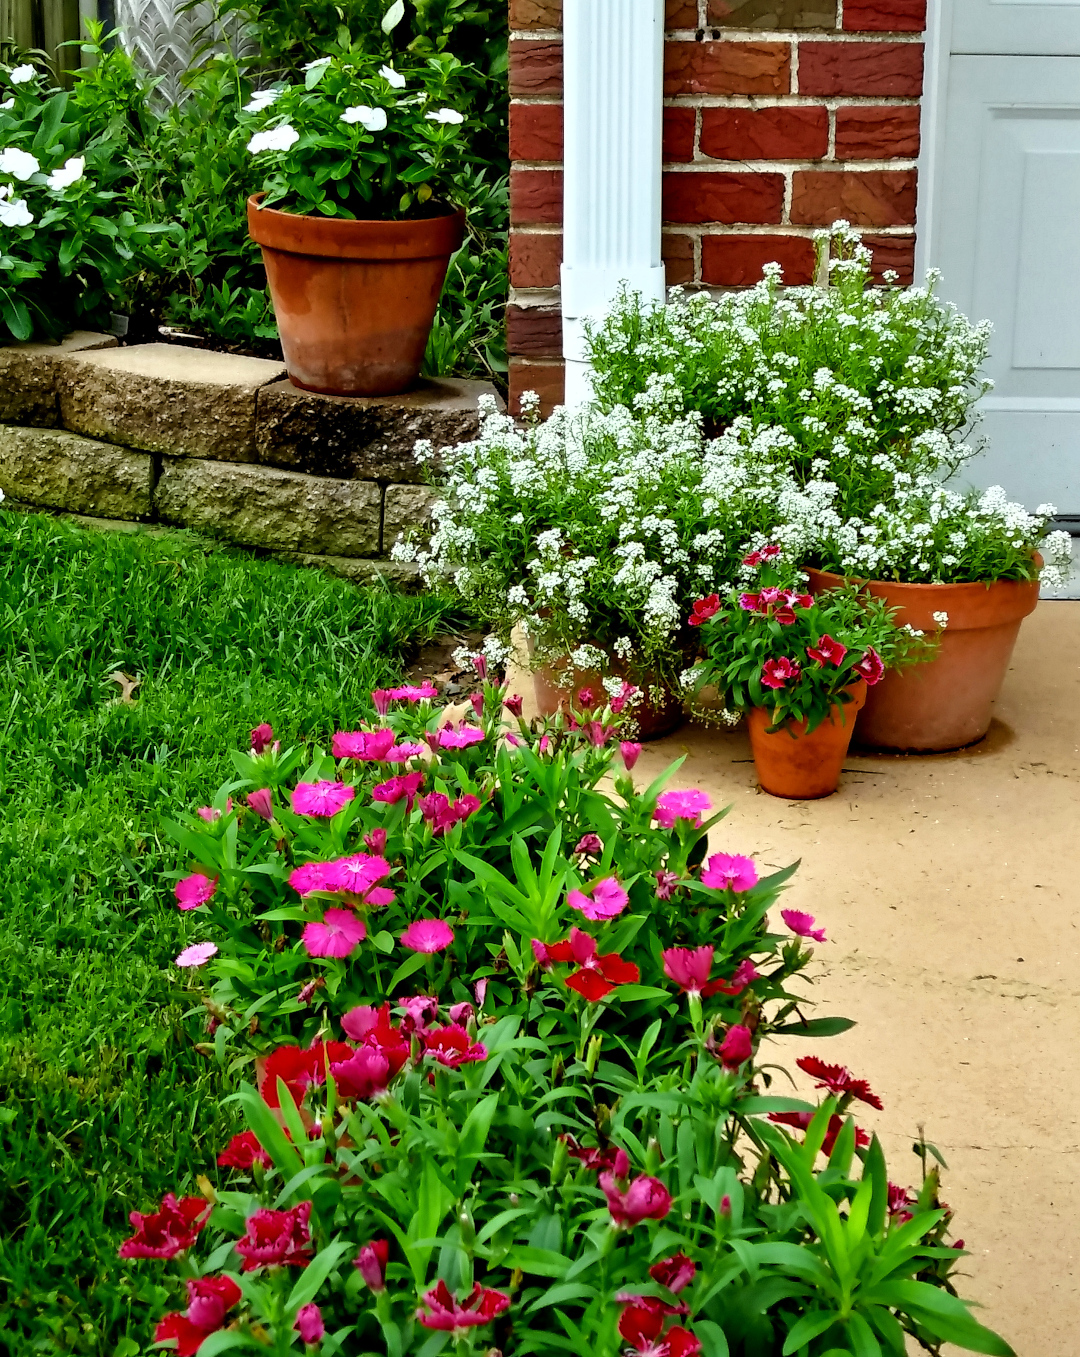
103,1100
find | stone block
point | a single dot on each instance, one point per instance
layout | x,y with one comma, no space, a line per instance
166,398
355,569
262,507
367,437
58,470
405,507
28,377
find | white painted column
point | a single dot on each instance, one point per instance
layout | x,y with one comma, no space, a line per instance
613,109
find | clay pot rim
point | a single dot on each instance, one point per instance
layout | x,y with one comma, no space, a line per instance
354,238
858,691
971,606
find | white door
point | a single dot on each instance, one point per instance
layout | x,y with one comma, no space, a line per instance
1005,230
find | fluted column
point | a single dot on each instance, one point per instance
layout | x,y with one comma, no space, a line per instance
613,107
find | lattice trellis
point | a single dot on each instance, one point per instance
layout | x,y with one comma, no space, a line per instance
164,37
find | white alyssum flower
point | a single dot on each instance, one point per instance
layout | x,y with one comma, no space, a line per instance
446,115
318,64
941,618
371,119
14,212
262,99
19,164
67,174
21,74
393,78
281,138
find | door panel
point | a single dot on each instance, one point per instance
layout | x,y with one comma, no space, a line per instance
1016,27
1010,213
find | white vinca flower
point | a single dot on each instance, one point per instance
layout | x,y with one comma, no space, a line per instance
276,139
446,115
67,174
21,74
8,103
393,78
261,99
14,212
19,164
317,65
371,119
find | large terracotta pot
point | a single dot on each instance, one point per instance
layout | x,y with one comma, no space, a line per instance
801,767
947,702
354,300
556,687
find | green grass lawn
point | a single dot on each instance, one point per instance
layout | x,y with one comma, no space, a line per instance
104,1103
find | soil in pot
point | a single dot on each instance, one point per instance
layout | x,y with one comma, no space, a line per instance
655,715
800,766
354,300
947,702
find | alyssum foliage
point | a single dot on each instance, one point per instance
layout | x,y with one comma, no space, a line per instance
498,1028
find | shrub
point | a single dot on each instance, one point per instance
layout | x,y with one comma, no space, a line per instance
564,1140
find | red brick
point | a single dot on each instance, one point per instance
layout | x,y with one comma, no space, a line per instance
677,253
875,68
679,126
536,197
884,16
548,380
681,14
727,68
877,133
862,197
534,331
724,197
535,259
526,14
892,252
536,131
776,14
765,133
535,67
737,261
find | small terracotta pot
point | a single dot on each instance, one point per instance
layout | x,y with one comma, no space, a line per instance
946,703
801,767
555,687
354,300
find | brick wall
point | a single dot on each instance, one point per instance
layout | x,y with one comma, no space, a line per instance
780,116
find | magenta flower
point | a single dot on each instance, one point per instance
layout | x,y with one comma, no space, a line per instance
358,873
261,738
827,651
340,933
451,1046
748,602
802,924
375,841
444,1311
689,967
462,738
310,877
403,787
322,799
262,802
211,813
778,673
703,609
645,1199
402,753
309,1323
591,844
366,746
380,698
688,805
198,954
419,1008
607,900
745,973
442,814
736,1048
169,1230
371,1263
676,1272
427,935
839,1080
410,692
276,1239
729,871
195,890
513,705
666,884
630,751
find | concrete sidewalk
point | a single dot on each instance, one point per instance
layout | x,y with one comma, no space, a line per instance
948,888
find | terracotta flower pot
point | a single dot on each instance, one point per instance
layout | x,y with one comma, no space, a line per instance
798,766
354,300
947,702
555,687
